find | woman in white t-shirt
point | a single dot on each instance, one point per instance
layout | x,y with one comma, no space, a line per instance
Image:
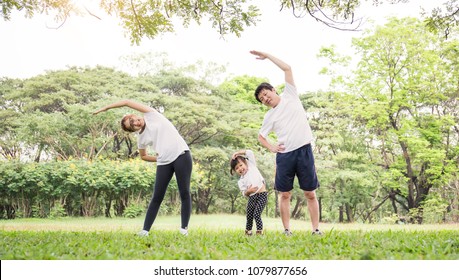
172,157
252,185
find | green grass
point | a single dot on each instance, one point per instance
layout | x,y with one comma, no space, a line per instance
220,237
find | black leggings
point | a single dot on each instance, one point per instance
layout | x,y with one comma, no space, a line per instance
182,168
255,206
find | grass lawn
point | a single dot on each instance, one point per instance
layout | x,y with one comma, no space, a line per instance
202,222
221,237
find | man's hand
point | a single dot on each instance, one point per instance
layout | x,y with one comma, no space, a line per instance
260,55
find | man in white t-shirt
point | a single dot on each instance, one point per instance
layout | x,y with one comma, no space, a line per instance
294,157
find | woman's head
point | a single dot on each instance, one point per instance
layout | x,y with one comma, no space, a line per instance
132,123
239,165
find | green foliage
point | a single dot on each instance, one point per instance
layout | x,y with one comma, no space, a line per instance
385,134
152,18
149,18
57,211
78,187
393,100
133,211
242,88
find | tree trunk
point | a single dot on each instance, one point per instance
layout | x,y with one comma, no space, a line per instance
276,200
341,214
296,213
203,199
349,214
320,209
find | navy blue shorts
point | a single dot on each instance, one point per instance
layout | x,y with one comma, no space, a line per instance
300,163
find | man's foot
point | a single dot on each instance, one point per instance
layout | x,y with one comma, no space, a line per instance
184,231
143,233
287,232
317,232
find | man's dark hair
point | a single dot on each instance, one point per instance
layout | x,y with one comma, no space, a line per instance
261,87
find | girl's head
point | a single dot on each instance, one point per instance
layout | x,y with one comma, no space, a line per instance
239,165
132,123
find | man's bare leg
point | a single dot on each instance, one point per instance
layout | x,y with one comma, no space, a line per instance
284,206
313,207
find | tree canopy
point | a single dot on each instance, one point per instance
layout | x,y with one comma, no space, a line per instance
386,133
148,19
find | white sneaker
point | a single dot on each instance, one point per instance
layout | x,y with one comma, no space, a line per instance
143,233
184,231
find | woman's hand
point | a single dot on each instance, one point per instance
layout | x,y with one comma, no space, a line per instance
100,110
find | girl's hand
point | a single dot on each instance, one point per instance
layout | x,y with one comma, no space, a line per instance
251,190
236,154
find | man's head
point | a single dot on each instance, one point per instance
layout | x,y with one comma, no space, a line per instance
267,95
262,87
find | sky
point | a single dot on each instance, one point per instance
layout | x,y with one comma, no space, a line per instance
30,47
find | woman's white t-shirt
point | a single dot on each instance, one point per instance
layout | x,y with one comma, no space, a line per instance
162,136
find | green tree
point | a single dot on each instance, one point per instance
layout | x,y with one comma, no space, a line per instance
403,88
210,166
151,18
346,168
10,147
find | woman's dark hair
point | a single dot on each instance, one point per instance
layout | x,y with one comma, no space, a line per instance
123,123
235,161
261,87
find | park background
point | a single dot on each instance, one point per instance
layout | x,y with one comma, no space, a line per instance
384,112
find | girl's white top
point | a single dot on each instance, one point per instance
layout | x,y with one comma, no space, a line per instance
288,120
163,137
252,177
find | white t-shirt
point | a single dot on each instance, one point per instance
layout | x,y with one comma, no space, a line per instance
163,137
252,177
288,121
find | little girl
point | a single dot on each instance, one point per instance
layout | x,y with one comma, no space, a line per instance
252,185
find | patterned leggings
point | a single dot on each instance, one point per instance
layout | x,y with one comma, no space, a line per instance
255,206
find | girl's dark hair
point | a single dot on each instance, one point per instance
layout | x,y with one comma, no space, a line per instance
123,123
235,161
261,87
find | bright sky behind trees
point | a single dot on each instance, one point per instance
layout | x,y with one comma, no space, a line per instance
31,46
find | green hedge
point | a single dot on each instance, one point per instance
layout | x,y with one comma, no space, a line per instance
73,188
